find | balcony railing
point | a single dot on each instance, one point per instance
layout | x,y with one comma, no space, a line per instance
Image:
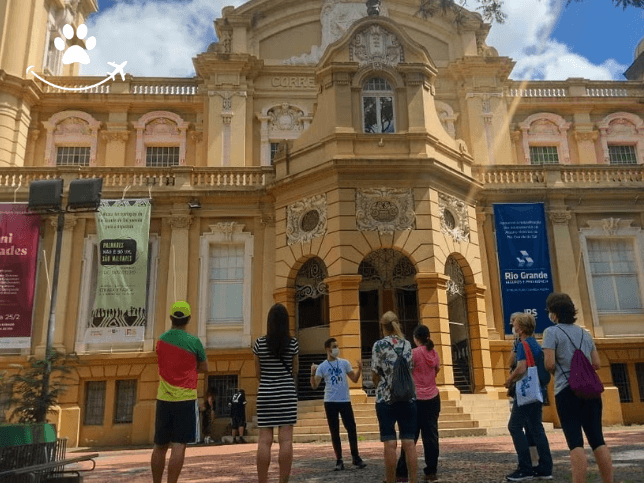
142,86
118,178
563,176
573,88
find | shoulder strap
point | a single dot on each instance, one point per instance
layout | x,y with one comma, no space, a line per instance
571,341
528,354
394,348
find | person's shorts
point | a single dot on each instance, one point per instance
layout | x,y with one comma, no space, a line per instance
403,413
238,421
176,422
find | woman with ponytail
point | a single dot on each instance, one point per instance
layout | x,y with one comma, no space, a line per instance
384,355
428,402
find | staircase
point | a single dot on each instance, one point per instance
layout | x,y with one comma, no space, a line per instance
304,390
312,426
462,379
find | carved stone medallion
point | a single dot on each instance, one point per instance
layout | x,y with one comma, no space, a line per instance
306,220
376,47
385,209
453,215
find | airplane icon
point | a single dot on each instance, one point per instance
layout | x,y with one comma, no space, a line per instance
118,69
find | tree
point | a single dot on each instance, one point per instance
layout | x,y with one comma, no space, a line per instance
24,393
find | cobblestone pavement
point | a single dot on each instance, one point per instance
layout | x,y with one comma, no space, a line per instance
462,460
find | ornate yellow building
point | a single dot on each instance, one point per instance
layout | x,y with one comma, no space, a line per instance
343,165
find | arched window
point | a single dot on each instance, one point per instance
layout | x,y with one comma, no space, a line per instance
378,106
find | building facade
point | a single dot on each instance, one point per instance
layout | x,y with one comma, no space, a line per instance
347,173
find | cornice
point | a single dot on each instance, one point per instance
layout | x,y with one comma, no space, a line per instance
26,89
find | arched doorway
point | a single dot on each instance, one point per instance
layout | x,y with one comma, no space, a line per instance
312,322
459,327
388,283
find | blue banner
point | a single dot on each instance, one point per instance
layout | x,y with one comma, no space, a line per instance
524,261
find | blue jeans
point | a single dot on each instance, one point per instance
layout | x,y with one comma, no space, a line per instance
530,418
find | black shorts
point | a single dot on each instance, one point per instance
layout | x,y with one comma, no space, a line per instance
577,415
238,421
177,422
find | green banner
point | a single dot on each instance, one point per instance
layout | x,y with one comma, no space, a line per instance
123,228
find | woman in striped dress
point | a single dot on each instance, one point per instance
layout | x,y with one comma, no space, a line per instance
276,364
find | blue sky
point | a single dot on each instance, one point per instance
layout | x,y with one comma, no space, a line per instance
591,39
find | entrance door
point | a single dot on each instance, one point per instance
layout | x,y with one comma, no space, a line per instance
458,327
387,284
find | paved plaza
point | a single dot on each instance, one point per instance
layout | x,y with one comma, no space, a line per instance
462,460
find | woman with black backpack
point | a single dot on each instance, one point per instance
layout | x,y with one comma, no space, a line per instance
395,395
577,410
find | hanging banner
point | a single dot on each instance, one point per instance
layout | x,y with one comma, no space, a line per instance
119,313
524,261
19,235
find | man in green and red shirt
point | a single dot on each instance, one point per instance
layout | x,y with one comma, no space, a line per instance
180,357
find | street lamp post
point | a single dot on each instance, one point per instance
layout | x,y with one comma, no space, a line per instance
45,197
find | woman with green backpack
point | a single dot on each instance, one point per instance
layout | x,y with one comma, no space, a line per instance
570,353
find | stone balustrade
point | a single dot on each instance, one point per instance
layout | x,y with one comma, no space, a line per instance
562,176
572,88
119,178
142,86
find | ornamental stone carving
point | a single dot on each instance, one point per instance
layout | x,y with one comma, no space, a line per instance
160,128
546,129
385,210
454,219
622,128
115,136
376,47
180,222
560,216
285,118
71,128
336,17
447,117
306,220
610,226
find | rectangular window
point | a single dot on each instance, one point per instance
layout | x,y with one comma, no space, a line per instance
639,372
613,269
72,156
223,387
162,156
274,149
622,154
125,400
620,379
226,282
544,155
94,403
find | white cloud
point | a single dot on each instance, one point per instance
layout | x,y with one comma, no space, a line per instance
160,38
157,38
526,37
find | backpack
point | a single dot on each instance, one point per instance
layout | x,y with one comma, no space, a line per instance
582,378
403,388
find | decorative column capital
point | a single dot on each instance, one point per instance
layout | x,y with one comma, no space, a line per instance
267,219
179,222
586,136
115,136
196,136
70,222
560,216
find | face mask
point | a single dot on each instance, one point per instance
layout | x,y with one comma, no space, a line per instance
335,352
514,332
552,317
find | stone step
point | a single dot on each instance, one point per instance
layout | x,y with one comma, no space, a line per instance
369,419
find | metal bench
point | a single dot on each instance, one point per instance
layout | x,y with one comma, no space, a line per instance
41,463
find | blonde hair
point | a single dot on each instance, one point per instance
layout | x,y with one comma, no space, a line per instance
391,325
515,315
526,322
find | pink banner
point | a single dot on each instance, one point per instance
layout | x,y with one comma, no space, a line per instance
19,234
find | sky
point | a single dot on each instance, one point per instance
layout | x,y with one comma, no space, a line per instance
591,39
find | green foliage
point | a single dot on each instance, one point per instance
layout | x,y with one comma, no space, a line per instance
24,391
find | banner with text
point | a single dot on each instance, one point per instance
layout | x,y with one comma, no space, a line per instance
119,313
524,261
19,235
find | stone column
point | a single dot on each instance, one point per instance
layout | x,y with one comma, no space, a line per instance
479,341
265,143
567,261
177,288
586,146
433,312
344,323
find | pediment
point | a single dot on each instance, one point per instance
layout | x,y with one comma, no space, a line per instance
376,42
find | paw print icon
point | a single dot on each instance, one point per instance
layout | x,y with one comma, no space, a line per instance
75,53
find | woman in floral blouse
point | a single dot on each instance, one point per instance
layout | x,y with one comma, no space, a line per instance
384,355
